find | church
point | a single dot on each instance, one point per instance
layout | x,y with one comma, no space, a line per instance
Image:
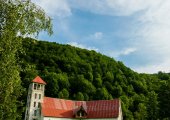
40,107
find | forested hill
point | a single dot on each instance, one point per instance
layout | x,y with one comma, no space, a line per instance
80,74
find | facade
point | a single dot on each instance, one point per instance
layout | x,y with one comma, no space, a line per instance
46,108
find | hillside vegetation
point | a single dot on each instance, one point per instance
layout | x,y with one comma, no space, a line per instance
80,74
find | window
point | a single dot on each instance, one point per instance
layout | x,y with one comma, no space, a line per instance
39,96
39,87
35,95
34,104
35,112
39,105
81,113
35,86
42,87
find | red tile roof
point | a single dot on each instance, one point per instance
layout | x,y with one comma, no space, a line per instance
53,107
39,80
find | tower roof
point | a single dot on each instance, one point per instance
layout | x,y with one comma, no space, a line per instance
39,80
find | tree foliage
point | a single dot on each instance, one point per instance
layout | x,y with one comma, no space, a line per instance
18,18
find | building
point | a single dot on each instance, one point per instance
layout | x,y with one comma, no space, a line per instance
46,108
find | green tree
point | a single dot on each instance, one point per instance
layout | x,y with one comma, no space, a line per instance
86,97
52,87
17,18
163,76
79,96
102,94
164,100
63,80
152,106
117,91
141,113
109,77
97,80
89,76
63,94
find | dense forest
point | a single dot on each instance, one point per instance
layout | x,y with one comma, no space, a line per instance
80,74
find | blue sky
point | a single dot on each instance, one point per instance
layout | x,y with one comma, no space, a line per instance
136,32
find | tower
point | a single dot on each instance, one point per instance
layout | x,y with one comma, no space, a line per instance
34,99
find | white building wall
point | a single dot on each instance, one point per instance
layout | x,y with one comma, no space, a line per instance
35,97
50,118
120,112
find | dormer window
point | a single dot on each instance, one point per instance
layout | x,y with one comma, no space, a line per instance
81,113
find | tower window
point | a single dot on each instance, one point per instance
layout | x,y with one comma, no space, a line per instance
39,87
35,95
34,104
35,86
39,105
42,87
39,96
35,112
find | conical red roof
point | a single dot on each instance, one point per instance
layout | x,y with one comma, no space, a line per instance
39,80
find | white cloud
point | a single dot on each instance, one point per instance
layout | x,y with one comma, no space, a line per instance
98,35
124,52
155,35
112,7
58,8
154,68
75,44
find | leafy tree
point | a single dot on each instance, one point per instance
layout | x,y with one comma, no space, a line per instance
102,94
79,96
63,94
63,80
82,85
109,77
52,87
28,71
89,76
152,106
141,113
17,18
108,86
163,76
86,97
164,100
97,80
117,91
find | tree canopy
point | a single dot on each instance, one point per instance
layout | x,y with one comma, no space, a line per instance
18,18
